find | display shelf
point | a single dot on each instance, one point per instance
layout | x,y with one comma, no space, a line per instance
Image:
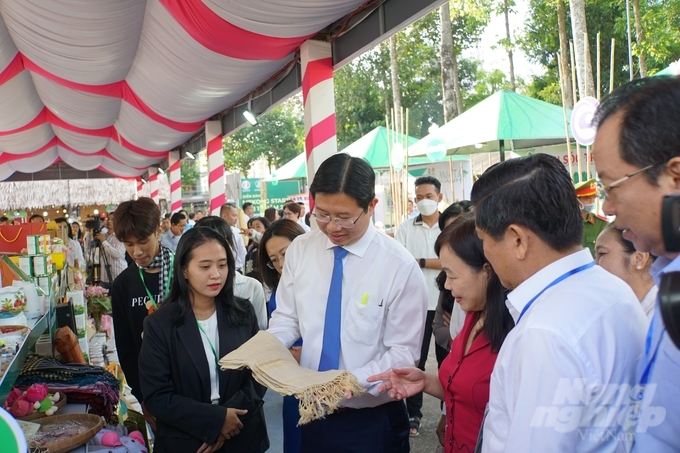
7,381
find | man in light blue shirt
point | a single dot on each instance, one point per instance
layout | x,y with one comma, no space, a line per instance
637,155
170,238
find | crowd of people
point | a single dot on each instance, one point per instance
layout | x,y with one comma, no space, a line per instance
548,336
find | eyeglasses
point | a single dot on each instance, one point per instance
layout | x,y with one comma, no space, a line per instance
342,223
603,191
271,264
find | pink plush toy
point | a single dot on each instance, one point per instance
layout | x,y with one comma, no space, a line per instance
138,436
14,395
111,439
21,407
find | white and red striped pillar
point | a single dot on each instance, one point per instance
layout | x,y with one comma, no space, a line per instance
153,183
213,138
318,97
175,181
140,187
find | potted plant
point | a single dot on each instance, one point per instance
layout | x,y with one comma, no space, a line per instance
98,304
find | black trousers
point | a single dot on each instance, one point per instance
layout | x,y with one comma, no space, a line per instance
414,404
382,429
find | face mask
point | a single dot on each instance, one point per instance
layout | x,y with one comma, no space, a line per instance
587,207
427,207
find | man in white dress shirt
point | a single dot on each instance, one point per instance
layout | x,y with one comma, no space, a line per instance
418,235
638,159
229,212
562,378
383,303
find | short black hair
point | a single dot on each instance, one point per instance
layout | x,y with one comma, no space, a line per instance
4,219
454,210
176,218
650,109
36,216
61,220
342,173
192,215
167,215
534,191
429,180
246,205
138,218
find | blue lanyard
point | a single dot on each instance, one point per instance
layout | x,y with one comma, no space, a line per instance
553,283
648,366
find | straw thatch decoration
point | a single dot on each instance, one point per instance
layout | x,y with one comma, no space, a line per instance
76,192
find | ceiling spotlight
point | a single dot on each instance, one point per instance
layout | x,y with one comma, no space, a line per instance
479,145
66,216
96,212
250,117
161,171
44,213
189,156
143,180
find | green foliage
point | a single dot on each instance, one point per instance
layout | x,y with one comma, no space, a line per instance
278,137
540,40
189,173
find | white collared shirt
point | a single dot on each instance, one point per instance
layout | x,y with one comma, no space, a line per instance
649,302
210,337
248,288
239,248
385,332
571,356
419,238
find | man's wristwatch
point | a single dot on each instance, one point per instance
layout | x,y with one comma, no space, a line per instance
422,263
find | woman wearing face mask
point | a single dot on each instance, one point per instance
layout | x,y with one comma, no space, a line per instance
593,224
619,257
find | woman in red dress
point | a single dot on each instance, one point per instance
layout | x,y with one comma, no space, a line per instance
465,374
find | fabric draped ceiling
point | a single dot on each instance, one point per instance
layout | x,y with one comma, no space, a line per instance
116,84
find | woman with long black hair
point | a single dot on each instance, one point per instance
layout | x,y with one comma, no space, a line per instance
198,407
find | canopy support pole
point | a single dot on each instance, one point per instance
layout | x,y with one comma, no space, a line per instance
175,181
318,98
213,137
153,181
501,145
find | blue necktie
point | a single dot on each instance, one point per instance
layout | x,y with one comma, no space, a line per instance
330,351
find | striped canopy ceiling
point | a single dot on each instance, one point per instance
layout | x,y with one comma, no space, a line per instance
115,84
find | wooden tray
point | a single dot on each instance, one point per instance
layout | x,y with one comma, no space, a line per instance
36,415
94,424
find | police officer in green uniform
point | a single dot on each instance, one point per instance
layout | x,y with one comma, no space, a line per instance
593,224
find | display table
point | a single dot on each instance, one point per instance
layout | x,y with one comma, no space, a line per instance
75,409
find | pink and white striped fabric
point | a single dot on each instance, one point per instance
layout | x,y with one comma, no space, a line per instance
115,84
153,183
213,138
318,98
175,181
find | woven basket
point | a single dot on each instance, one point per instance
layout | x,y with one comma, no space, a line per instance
94,423
36,415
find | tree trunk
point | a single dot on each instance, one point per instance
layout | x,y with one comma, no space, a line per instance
447,58
509,45
564,55
640,38
396,91
456,85
584,67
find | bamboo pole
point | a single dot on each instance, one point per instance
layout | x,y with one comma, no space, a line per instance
573,87
453,190
462,177
405,146
611,67
586,52
599,81
564,114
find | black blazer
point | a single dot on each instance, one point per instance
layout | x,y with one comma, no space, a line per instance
174,379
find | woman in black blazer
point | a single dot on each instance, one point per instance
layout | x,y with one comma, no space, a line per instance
198,410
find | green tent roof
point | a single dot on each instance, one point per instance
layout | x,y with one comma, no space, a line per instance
673,69
372,146
521,121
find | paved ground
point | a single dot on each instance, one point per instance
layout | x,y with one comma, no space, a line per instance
426,442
